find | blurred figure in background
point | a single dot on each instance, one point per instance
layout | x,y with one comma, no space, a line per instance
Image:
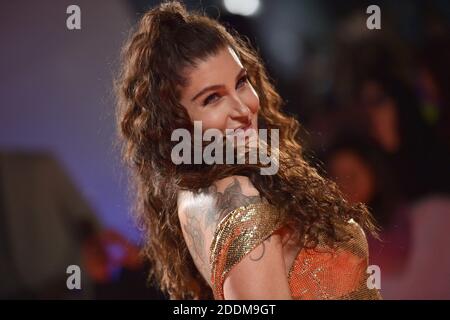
413,254
358,167
414,154
432,86
44,221
46,225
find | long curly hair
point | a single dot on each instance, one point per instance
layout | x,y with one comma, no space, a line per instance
167,40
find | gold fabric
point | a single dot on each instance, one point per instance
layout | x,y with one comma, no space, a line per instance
319,273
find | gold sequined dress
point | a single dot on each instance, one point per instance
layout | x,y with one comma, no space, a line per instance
319,273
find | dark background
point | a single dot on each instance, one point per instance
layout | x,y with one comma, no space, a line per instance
56,101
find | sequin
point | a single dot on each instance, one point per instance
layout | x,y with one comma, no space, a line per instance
319,273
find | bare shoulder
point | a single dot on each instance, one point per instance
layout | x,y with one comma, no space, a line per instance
199,213
234,192
213,203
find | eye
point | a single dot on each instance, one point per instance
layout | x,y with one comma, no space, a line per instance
211,98
242,81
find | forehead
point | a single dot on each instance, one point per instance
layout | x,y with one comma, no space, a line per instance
216,69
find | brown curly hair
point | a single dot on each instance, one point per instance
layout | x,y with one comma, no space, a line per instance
167,40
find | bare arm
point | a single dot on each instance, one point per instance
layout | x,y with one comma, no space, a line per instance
260,275
200,213
199,216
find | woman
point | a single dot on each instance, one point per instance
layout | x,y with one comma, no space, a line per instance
226,230
409,147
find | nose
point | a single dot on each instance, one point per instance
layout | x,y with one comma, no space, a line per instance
241,112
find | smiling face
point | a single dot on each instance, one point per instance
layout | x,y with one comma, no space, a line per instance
219,93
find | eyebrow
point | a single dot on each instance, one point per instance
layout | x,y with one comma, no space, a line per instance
218,86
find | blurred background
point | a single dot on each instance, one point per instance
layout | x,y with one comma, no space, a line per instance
374,106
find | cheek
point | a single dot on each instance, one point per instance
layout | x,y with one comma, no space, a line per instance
252,99
214,118
210,117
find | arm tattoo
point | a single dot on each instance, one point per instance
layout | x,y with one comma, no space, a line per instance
212,212
291,236
232,198
260,256
196,238
192,226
